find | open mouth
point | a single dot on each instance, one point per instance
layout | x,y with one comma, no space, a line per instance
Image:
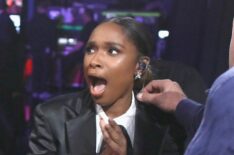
97,85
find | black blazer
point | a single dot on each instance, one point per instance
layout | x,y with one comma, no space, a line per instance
66,125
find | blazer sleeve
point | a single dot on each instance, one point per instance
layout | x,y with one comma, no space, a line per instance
41,141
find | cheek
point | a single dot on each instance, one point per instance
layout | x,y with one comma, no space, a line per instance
124,70
86,59
85,65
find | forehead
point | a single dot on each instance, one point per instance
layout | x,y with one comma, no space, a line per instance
109,31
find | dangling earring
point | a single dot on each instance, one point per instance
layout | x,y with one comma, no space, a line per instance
138,75
143,65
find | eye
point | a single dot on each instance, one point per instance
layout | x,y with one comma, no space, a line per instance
113,51
89,50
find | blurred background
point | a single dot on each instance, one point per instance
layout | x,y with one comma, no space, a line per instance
41,44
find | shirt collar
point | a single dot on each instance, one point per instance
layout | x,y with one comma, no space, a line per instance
130,112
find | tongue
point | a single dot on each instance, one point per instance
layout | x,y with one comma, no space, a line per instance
99,88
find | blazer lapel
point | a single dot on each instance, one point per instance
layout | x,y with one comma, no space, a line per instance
81,133
148,133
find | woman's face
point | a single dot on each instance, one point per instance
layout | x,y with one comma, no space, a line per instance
109,65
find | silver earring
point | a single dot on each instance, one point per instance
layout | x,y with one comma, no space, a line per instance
138,75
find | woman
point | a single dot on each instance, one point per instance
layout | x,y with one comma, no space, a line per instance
115,64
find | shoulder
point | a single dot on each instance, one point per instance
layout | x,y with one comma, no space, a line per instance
64,104
222,80
220,93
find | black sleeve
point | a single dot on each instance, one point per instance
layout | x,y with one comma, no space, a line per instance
41,141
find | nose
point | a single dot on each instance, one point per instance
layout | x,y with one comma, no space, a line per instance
95,61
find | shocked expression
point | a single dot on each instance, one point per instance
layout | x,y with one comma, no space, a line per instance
110,63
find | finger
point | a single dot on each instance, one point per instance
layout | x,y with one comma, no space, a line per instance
103,129
144,94
114,143
114,131
116,140
114,125
152,86
106,137
147,97
157,86
109,133
107,151
154,90
174,87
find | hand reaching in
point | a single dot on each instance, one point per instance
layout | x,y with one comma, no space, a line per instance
164,94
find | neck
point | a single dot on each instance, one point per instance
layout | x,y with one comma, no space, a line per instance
119,107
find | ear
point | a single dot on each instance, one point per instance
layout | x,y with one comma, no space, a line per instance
142,63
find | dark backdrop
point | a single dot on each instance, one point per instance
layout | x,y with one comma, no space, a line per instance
200,35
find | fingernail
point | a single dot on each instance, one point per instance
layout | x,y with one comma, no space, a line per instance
139,96
100,117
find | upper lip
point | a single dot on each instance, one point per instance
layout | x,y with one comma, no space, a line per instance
92,77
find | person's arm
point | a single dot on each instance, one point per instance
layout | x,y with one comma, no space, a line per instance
41,141
189,114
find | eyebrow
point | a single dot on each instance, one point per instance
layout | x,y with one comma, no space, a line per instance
109,43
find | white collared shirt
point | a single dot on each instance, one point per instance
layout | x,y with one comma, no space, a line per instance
127,120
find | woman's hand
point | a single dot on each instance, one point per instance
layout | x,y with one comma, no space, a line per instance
116,143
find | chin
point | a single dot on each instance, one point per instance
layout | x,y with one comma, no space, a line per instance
102,101
98,100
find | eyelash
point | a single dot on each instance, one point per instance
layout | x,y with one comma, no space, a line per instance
89,49
111,50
